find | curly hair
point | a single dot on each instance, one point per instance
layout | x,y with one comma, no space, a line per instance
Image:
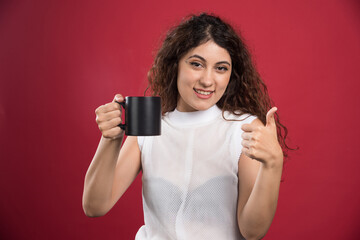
245,93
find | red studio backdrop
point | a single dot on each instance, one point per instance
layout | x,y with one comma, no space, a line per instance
60,60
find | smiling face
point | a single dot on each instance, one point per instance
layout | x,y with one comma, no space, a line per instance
203,75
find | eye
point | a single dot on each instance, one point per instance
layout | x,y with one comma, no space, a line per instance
222,68
196,64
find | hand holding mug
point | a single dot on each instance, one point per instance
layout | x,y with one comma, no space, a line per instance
108,118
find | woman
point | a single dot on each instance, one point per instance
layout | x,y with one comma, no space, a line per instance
215,171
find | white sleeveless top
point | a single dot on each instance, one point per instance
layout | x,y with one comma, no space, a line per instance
190,176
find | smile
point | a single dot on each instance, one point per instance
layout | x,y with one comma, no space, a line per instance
203,92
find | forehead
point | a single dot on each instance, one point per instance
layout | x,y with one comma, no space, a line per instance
210,51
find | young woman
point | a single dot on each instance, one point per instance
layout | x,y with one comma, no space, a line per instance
215,171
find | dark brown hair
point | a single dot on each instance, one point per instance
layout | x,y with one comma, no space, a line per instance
245,93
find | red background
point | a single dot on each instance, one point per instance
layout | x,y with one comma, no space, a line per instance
59,60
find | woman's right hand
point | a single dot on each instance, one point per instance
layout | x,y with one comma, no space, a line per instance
108,117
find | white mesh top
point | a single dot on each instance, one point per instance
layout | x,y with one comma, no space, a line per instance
190,176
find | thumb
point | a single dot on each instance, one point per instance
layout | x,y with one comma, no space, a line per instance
270,117
118,98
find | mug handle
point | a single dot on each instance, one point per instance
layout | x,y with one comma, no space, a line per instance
122,126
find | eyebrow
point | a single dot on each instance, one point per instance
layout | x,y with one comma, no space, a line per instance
203,59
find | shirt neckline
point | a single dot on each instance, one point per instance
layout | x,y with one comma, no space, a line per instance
192,118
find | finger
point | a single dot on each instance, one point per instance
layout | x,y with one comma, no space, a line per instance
108,116
248,127
118,98
246,135
246,151
113,123
109,107
246,143
113,133
270,117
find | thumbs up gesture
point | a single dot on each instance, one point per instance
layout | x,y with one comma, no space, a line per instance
260,142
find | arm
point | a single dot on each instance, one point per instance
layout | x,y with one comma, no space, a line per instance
260,169
111,171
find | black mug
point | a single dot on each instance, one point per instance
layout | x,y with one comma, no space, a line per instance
142,116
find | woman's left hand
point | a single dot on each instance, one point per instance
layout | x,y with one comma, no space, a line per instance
260,142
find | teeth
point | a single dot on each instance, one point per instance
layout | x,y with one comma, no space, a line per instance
202,92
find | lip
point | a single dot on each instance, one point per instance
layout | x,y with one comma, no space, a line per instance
202,96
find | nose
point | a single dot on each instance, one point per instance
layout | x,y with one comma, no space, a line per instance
207,79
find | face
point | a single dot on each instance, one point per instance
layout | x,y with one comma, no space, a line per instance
203,75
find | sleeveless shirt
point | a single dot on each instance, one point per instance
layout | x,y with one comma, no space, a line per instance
190,176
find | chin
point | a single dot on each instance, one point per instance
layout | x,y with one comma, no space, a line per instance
203,107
